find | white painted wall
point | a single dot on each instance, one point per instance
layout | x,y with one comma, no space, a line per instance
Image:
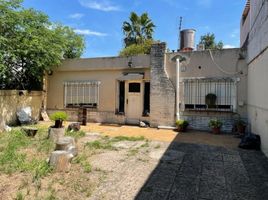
258,71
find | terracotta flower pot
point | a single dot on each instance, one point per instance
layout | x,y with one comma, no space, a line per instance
216,130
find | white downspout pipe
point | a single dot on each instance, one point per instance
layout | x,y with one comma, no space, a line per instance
177,88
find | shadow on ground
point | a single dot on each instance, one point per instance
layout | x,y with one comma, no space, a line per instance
205,172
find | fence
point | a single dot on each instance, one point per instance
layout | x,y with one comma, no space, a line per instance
12,100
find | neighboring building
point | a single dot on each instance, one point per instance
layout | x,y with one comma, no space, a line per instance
254,38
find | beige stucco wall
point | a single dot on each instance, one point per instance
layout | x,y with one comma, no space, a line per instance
228,59
258,98
11,102
258,71
105,70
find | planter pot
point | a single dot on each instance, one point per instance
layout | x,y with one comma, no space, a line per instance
241,129
30,132
55,133
58,123
216,130
181,129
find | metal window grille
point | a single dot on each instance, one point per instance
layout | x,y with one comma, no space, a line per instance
196,90
81,93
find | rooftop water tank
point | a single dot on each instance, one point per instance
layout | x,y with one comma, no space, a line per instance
187,39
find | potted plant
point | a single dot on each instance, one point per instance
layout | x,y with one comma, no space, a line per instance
215,125
241,126
211,100
57,131
59,117
182,125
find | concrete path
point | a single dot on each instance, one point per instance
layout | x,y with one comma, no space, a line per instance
204,172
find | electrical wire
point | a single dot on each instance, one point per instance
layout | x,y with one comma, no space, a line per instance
220,68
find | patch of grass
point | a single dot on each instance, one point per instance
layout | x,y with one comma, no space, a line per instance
75,134
82,160
125,138
100,144
12,160
146,144
45,146
107,142
133,152
157,146
19,196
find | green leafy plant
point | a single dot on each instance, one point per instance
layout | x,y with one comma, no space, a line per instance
59,117
182,125
215,123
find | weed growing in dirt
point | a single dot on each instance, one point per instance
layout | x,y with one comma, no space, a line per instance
12,159
107,142
125,138
75,134
100,144
133,152
82,160
19,196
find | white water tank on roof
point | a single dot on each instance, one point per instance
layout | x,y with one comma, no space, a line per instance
187,39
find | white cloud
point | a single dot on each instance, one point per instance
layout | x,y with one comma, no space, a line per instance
89,32
103,5
204,3
76,16
228,46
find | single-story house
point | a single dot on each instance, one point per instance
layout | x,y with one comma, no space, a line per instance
157,88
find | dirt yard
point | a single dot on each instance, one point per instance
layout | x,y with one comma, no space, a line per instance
114,162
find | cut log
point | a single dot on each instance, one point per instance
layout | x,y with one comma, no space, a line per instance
55,133
60,161
66,144
30,131
45,116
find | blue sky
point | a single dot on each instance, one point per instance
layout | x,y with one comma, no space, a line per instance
101,20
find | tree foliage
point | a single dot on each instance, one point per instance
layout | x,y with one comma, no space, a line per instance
138,34
136,49
31,45
209,41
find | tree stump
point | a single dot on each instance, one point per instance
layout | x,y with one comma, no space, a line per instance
60,161
55,133
66,144
30,131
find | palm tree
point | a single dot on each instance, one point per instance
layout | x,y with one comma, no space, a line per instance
139,29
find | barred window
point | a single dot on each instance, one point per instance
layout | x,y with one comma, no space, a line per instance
81,93
209,94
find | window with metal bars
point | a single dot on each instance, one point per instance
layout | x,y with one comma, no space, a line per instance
81,94
209,94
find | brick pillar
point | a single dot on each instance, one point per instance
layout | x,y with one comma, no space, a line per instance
162,105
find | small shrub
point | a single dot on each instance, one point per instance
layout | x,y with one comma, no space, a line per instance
215,123
59,117
182,125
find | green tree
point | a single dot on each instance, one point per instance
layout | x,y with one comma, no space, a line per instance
136,49
30,45
209,41
138,29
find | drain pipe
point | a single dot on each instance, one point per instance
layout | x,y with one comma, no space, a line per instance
177,88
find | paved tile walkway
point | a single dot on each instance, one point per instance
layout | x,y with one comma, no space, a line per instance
204,172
